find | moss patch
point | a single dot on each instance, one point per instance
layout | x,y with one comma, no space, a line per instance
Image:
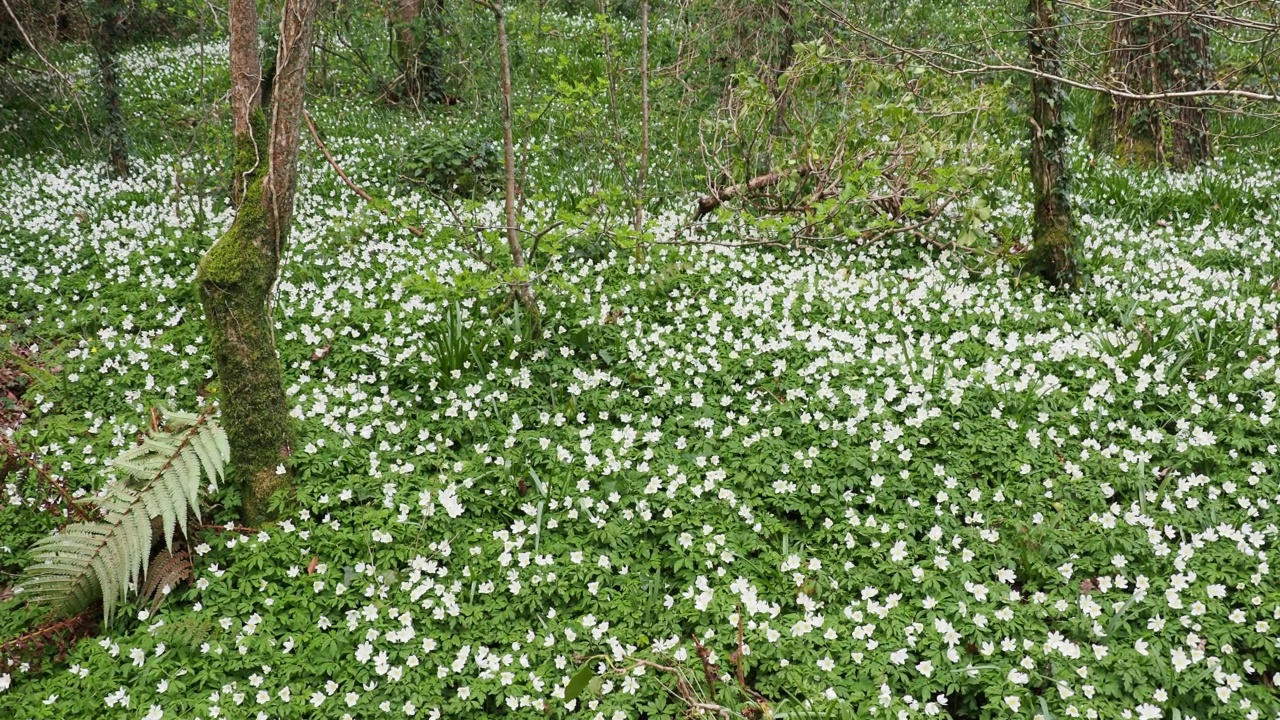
234,281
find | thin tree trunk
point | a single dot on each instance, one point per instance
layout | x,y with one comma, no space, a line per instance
236,277
786,15
643,172
611,91
1054,251
105,23
246,94
522,285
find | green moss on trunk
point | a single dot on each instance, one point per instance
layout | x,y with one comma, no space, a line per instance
1102,128
1140,147
234,281
1054,244
1053,256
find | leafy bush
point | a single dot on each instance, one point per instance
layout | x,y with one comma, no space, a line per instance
451,162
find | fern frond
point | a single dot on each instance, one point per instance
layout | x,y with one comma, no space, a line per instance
103,559
188,633
168,568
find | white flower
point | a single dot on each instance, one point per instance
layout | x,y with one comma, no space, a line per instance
1013,701
899,551
827,664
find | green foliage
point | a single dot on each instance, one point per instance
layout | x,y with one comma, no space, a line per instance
830,710
706,440
874,160
452,162
455,346
101,559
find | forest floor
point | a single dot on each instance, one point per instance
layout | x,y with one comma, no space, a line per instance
876,480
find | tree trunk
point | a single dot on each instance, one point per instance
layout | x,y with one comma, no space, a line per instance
237,276
522,285
787,57
1134,66
643,172
1102,127
1191,69
418,29
106,21
1055,251
246,95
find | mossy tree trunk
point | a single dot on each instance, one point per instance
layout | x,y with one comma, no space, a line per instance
237,276
1157,46
105,22
1055,252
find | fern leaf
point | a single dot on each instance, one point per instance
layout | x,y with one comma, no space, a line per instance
104,559
208,453
167,570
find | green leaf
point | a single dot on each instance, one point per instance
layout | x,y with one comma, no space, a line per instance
578,682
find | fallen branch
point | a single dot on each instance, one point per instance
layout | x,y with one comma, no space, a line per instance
315,135
62,634
717,197
14,454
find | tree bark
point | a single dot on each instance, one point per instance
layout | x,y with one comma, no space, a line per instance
522,285
1192,69
236,277
1135,60
787,57
1055,250
1157,46
643,173
418,27
246,94
106,21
